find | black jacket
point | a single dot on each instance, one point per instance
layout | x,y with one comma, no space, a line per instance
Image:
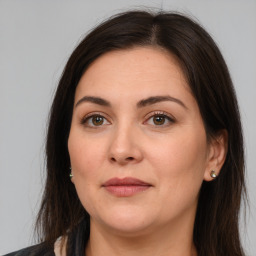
76,242
36,250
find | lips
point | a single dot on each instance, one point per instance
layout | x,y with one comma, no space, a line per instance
125,187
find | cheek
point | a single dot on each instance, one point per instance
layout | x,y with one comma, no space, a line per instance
180,162
85,162
85,159
180,175
180,155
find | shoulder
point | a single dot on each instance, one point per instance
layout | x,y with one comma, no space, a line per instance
36,250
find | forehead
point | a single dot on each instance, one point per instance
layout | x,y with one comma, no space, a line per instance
141,69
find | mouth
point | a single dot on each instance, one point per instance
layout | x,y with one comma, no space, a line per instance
125,187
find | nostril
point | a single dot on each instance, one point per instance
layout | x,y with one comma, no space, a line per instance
113,159
122,160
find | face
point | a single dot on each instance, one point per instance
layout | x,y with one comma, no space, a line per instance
137,142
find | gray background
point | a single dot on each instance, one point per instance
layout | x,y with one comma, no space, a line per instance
36,38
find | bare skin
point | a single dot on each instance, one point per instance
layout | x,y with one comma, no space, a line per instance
134,117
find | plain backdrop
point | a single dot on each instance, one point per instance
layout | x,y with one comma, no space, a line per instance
37,37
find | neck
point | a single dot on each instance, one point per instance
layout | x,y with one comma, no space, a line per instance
166,241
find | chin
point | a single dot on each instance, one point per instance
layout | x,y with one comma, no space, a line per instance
126,222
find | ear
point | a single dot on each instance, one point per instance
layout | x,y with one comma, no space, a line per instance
217,152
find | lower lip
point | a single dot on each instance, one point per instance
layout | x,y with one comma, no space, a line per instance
126,190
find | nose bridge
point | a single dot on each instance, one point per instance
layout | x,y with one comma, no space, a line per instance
124,145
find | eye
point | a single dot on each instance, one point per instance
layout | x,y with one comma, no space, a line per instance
94,120
160,119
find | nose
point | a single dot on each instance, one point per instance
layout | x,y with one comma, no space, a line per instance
125,147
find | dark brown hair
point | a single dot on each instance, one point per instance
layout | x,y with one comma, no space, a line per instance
216,229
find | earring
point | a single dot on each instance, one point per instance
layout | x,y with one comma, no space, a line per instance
213,174
71,174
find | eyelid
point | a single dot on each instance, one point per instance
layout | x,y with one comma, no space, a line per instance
160,113
169,117
92,114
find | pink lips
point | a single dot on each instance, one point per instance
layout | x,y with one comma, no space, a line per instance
125,187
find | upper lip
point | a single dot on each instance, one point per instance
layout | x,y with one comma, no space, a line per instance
125,181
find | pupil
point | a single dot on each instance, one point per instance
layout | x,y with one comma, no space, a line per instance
158,120
97,120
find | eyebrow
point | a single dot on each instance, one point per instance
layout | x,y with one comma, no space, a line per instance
142,103
95,100
156,99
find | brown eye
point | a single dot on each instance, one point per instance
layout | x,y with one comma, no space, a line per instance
94,121
97,120
159,120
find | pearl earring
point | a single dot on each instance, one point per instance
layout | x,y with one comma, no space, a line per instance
71,174
213,174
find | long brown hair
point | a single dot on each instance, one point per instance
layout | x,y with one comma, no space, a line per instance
216,229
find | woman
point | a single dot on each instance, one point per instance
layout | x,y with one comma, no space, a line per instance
144,147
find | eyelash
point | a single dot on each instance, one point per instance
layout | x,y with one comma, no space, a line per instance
155,114
85,120
161,114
